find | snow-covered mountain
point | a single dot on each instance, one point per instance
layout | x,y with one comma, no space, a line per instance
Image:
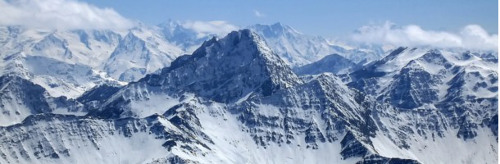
185,38
234,100
298,49
140,52
70,62
446,96
65,63
439,71
21,98
225,70
333,63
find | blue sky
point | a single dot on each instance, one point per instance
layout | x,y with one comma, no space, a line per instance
325,17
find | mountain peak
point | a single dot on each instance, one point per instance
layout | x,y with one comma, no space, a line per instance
333,63
274,30
169,23
228,68
283,27
225,70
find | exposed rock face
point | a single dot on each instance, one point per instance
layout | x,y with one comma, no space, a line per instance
21,98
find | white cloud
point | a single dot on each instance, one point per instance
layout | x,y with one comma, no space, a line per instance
60,14
470,37
258,14
204,28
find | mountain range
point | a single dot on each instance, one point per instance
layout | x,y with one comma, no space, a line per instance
267,94
82,59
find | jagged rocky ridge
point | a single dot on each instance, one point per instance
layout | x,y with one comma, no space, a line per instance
235,101
443,96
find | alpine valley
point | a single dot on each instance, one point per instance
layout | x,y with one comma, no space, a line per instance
263,94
